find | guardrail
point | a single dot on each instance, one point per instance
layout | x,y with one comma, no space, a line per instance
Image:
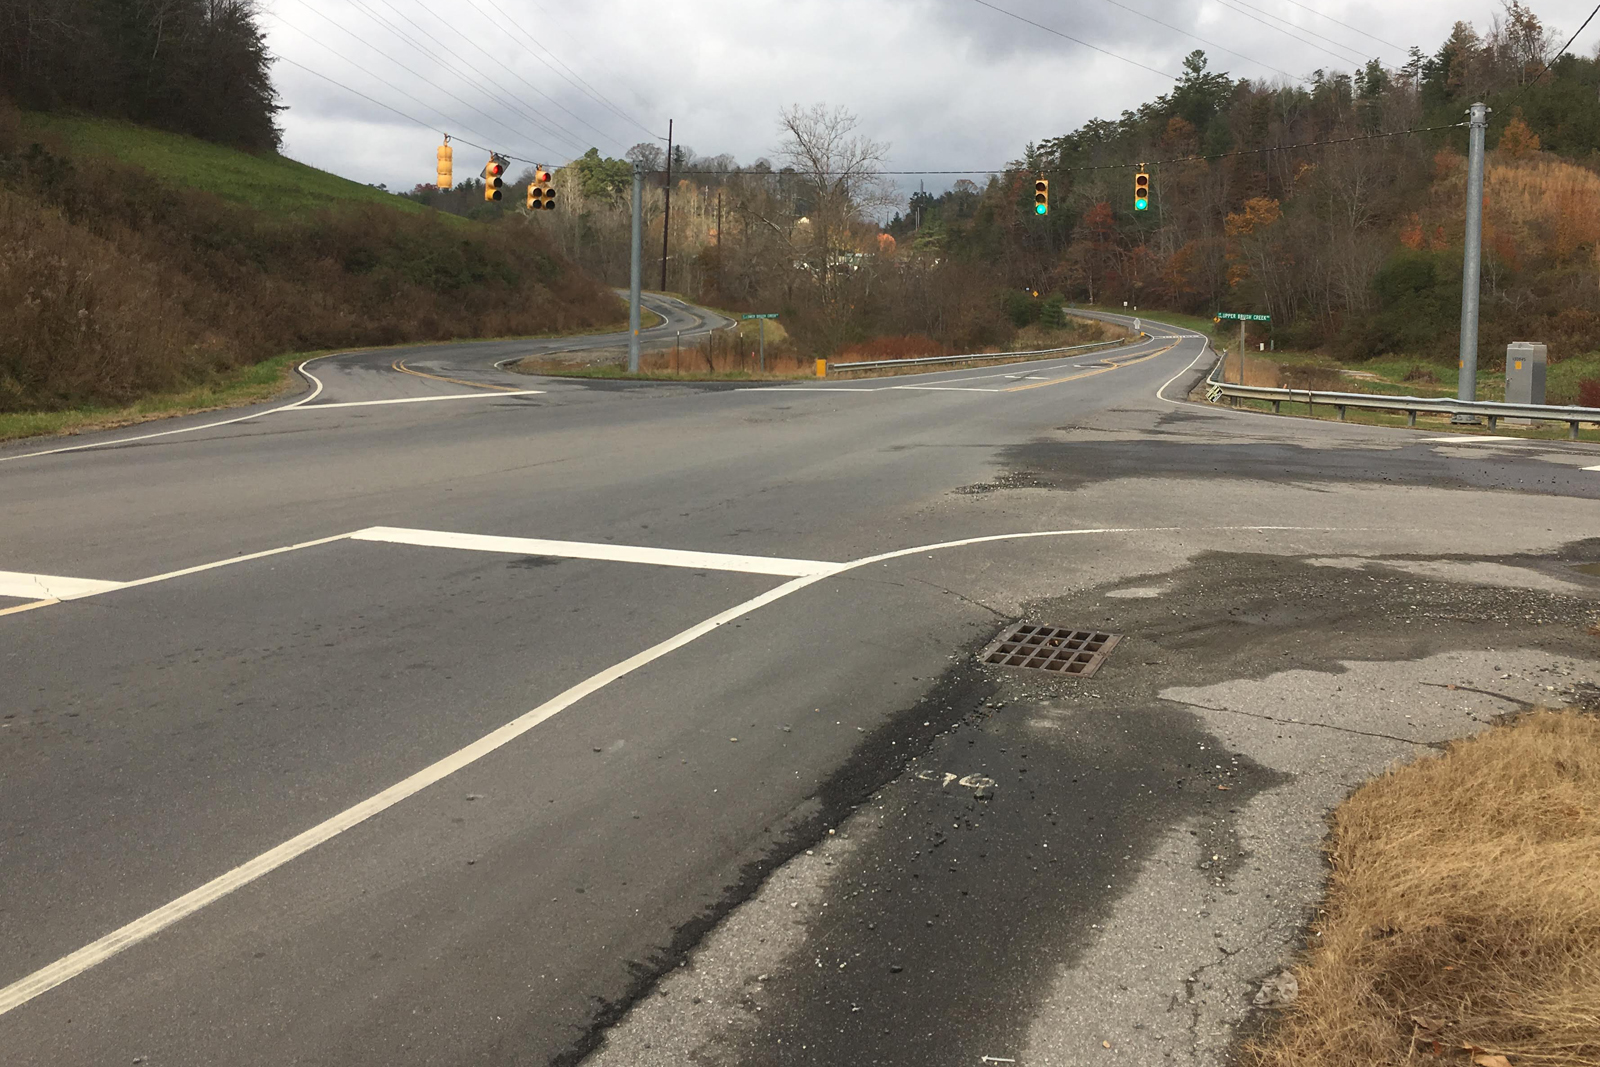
1411,405
873,364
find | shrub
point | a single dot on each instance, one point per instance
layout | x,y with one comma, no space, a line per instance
113,285
1589,393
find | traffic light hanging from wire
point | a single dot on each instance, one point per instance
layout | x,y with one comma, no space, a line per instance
541,195
1141,191
493,178
445,174
1041,197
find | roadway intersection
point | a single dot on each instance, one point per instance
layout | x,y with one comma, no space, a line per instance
433,715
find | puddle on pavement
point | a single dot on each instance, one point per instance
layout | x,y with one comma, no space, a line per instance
1589,568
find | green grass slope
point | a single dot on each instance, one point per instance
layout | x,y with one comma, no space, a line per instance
270,183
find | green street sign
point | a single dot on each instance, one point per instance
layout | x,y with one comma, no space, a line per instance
1237,315
772,316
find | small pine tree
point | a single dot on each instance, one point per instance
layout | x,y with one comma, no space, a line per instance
1518,141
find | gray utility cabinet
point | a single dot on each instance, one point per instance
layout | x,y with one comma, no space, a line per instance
1525,365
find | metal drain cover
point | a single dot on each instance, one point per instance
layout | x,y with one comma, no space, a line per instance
1050,648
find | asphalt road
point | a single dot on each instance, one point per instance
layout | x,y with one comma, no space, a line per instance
433,715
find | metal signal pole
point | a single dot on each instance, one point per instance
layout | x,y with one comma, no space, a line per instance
1472,265
635,271
666,218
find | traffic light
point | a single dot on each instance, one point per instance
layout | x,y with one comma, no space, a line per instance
541,196
1041,197
446,173
1141,191
492,178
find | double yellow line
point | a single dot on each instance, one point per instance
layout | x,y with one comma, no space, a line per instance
1092,373
400,366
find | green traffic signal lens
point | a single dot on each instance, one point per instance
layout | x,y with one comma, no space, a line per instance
1141,204
1041,209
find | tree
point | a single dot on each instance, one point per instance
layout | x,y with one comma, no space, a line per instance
838,177
1517,141
651,156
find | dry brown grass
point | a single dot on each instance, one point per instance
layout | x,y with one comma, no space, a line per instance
1463,911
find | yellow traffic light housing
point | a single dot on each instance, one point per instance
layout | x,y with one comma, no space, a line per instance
1041,197
1141,191
493,179
446,166
541,195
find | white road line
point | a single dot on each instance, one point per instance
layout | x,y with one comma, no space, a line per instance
1161,392
187,429
74,964
661,557
51,586
948,388
417,400
1481,439
1592,468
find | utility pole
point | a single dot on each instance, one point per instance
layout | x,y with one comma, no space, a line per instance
719,239
635,271
666,217
1472,264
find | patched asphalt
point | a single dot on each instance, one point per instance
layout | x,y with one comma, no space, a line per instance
961,916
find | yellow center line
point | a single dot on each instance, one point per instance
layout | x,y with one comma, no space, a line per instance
400,366
1091,373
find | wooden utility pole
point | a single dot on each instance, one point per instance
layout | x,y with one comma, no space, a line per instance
666,217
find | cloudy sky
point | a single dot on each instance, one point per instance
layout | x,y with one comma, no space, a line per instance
948,84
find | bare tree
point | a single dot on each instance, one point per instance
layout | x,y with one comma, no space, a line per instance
838,180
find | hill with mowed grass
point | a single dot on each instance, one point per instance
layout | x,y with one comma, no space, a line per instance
135,261
265,181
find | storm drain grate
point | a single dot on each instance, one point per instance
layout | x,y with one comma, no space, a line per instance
1051,648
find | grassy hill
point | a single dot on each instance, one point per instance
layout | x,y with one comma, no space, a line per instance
140,264
267,182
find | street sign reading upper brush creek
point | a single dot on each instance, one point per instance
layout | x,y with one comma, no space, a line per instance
1240,315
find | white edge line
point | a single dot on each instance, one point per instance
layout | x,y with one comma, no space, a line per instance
1591,468
70,966
1483,439
226,562
189,429
50,586
947,388
661,557
415,400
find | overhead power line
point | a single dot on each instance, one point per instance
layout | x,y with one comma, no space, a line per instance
456,123
571,136
1104,166
1398,48
1202,40
388,107
1273,26
519,134
550,127
575,79
1074,40
1545,69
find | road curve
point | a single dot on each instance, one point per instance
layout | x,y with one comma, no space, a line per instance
432,720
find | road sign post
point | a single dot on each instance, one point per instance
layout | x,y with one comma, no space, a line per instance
1243,318
634,269
761,327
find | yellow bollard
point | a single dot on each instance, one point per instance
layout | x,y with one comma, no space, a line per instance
822,368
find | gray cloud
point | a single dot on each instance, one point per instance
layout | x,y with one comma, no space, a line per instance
947,83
